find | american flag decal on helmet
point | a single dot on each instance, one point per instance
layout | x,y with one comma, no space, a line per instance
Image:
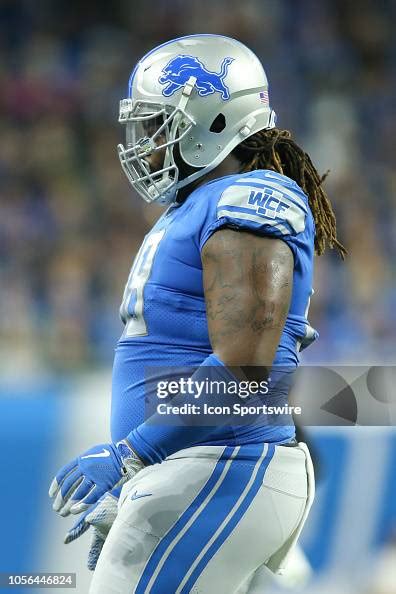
264,97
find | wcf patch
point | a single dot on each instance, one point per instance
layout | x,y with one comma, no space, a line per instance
268,203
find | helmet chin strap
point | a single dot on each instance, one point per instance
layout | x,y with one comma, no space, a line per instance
169,195
186,94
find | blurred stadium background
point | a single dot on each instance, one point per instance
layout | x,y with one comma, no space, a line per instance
70,226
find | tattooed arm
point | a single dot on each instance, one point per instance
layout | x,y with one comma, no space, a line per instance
248,284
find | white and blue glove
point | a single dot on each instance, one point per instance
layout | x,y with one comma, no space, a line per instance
101,517
81,483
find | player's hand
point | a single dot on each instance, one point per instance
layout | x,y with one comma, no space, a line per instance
81,483
101,517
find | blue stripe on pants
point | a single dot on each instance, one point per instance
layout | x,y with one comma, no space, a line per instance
181,555
232,522
182,521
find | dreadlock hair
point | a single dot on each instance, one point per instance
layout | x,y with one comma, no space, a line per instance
276,150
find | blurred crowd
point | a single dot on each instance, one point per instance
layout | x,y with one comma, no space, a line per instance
70,224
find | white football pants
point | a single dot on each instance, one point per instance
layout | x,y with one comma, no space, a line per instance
205,520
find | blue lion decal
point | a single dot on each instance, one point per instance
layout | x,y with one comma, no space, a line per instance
179,69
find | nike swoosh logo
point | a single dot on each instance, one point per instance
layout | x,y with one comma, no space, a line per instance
104,454
136,496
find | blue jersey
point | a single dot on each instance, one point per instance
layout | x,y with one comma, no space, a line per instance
163,308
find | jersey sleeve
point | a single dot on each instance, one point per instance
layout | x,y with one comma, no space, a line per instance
266,206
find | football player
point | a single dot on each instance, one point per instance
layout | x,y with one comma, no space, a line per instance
221,285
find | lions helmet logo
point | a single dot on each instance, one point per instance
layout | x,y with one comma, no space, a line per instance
179,69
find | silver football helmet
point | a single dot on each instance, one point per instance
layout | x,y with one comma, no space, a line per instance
202,93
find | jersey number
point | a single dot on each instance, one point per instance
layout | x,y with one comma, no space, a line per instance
132,307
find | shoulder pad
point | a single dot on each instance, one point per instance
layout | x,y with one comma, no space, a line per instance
268,199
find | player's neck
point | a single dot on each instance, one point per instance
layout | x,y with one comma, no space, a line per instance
229,166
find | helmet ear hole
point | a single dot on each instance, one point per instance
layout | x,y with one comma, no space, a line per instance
218,124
